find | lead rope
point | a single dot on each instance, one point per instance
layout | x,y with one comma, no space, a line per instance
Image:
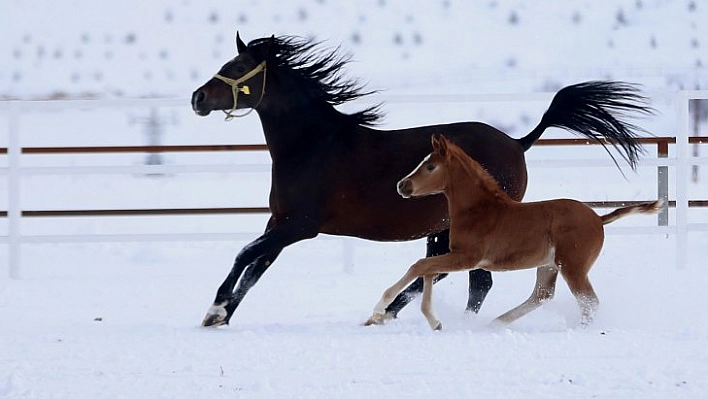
235,89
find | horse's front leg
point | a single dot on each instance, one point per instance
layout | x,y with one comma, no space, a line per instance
255,258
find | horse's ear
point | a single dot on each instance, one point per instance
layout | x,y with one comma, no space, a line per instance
270,46
240,45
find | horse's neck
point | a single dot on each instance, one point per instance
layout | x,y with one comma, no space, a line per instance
288,128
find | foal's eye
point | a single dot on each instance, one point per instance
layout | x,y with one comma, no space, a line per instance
430,167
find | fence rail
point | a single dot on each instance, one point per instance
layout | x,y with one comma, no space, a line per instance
15,152
662,144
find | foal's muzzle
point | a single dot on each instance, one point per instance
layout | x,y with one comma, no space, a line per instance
405,188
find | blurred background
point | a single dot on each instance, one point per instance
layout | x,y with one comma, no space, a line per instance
134,48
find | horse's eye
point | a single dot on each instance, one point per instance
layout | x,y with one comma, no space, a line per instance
430,167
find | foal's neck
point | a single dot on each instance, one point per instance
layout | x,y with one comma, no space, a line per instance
470,186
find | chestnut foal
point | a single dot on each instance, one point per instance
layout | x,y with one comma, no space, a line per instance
489,230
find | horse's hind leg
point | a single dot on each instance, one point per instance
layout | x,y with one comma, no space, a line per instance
585,295
544,290
480,284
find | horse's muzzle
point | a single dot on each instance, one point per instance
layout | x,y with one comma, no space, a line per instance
405,188
198,100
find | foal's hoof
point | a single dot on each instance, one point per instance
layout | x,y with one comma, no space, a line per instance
374,320
216,316
438,327
378,319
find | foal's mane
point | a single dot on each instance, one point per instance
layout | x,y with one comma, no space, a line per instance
318,72
473,168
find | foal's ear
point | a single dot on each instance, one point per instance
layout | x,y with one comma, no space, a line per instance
240,45
439,144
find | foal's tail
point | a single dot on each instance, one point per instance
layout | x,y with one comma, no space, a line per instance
647,207
592,109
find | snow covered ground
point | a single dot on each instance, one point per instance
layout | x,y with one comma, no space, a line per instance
121,320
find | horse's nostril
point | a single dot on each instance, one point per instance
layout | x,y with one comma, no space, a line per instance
198,97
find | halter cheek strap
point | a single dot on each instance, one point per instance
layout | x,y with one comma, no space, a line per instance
237,88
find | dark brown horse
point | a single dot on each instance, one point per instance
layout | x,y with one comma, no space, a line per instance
332,173
490,231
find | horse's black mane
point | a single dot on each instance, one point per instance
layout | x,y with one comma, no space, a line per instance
319,73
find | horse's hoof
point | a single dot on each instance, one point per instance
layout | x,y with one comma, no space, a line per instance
216,316
438,327
213,321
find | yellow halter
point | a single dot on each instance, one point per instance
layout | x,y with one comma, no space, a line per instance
235,89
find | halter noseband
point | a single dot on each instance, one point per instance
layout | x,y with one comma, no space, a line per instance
235,89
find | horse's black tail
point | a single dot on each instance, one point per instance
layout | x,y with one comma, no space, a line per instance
592,109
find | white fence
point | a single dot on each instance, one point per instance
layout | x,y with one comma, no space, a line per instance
16,171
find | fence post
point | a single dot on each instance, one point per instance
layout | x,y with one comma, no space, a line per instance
14,212
682,171
663,183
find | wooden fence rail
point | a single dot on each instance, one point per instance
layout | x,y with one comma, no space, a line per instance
662,144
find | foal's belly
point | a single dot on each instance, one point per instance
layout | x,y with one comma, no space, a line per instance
520,258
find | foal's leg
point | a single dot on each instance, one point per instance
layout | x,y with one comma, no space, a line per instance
544,290
584,293
380,315
425,266
426,305
480,281
436,245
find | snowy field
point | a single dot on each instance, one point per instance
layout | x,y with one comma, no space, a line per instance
121,319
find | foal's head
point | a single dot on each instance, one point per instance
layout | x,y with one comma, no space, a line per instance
431,176
448,164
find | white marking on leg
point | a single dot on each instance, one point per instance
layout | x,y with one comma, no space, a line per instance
380,307
218,310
